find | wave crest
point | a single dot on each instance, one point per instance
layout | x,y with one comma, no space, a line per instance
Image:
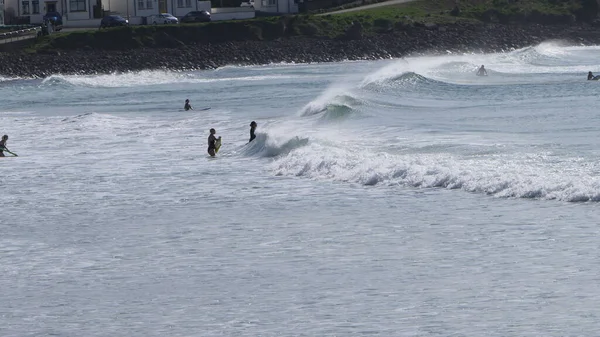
335,107
527,178
268,146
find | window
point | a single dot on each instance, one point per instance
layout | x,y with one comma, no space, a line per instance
188,3
77,5
35,7
25,8
148,4
141,4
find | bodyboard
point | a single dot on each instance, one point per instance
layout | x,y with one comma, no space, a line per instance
217,145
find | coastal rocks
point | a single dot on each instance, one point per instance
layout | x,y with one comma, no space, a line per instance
354,32
403,40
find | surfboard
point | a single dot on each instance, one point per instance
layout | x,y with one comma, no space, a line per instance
217,145
596,78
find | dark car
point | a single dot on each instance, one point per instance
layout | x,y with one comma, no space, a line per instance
113,21
196,16
55,18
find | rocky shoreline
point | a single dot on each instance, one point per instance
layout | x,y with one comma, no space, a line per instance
397,42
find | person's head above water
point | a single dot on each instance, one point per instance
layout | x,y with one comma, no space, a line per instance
212,131
5,137
187,100
482,66
590,73
253,124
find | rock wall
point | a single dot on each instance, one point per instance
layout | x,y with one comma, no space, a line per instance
400,41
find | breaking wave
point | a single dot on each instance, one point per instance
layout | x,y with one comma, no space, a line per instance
531,176
269,146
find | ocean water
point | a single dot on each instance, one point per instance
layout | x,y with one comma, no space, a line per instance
401,197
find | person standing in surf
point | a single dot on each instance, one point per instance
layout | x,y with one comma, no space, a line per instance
3,146
212,142
590,76
187,105
252,129
482,71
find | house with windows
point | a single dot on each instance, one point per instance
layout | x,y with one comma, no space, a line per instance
70,10
276,6
136,9
88,13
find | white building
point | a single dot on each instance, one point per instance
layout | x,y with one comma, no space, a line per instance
276,6
135,9
71,10
88,13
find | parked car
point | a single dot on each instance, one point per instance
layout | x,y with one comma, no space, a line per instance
113,21
248,3
196,16
55,19
163,19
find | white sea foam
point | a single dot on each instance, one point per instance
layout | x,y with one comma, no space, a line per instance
150,77
517,175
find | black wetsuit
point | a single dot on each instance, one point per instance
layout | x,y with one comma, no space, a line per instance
188,106
211,142
590,77
2,148
252,135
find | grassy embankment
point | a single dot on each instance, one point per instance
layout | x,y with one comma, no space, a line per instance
376,20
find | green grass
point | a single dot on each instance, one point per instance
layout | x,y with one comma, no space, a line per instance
439,10
375,20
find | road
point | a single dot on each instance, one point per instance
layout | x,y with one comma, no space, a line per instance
380,4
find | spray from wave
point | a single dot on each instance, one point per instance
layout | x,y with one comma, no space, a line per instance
336,102
149,77
268,146
554,57
529,176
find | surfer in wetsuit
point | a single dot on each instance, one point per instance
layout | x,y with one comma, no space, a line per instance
212,146
482,71
3,145
590,76
252,129
187,105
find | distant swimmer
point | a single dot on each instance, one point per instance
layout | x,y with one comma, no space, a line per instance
482,71
590,76
187,105
3,147
212,143
252,129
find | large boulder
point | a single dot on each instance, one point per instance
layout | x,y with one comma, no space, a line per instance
354,31
588,11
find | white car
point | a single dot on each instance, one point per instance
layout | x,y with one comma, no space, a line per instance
162,19
247,3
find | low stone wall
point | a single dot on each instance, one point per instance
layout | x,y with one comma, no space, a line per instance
238,13
403,41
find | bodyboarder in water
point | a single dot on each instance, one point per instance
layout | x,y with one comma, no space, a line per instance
482,71
252,129
212,140
590,76
187,105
